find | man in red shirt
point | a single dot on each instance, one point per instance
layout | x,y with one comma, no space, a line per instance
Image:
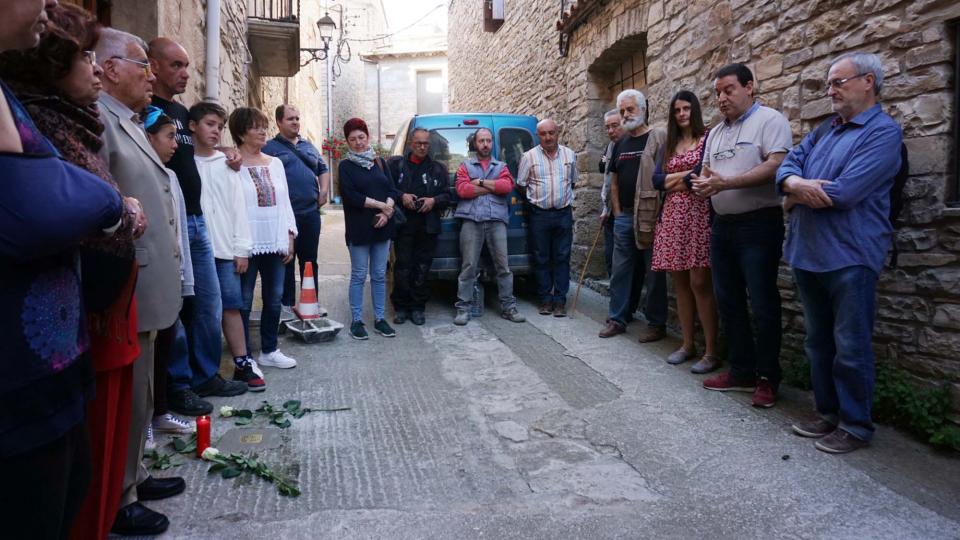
483,185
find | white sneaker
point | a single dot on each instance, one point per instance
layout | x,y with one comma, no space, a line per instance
169,423
322,311
287,314
276,359
149,444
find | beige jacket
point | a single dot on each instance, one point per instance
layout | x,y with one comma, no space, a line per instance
140,174
646,201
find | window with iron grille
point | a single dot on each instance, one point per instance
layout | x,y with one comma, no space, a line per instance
631,73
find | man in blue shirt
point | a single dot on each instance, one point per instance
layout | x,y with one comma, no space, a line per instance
837,183
309,182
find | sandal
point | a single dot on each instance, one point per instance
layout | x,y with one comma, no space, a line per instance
706,364
680,356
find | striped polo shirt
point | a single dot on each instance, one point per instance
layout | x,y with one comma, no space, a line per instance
549,182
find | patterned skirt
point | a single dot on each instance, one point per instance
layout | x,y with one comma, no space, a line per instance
682,238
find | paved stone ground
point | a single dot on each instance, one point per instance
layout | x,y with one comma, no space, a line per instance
542,430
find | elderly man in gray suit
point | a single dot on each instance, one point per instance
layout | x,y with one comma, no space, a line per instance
139,172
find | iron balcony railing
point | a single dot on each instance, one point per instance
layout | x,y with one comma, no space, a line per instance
274,10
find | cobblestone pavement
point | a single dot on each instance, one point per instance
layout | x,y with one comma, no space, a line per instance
542,430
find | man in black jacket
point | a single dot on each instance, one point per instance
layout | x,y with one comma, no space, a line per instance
425,185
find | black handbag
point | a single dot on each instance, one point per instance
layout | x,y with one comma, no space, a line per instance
398,218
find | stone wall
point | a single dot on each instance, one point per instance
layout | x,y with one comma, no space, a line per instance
788,44
185,22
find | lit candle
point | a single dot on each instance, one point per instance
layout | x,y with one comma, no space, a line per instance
203,434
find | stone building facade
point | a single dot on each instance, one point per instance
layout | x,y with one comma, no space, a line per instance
393,80
661,46
241,81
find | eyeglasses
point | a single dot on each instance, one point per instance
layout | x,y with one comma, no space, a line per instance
724,154
144,65
150,116
837,84
90,56
418,143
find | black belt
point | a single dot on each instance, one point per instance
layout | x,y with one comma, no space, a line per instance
762,213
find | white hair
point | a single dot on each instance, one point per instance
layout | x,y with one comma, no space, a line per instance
611,112
865,63
635,95
113,43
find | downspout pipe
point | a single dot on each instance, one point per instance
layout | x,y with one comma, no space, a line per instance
211,74
379,108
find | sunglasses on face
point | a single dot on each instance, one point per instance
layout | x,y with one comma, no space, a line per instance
143,65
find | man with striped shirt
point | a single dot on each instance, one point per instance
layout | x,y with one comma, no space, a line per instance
548,173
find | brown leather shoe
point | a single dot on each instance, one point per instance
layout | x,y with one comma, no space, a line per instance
611,330
546,308
652,333
559,310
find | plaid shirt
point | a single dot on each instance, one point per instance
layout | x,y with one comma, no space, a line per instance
549,182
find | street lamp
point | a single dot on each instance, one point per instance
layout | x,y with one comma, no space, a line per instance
325,26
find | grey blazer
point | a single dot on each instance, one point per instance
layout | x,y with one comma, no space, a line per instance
140,174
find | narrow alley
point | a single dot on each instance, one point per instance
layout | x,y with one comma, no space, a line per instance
541,430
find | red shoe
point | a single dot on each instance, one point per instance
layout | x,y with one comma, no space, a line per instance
765,395
726,383
247,371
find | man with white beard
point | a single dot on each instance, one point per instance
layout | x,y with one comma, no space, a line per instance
635,204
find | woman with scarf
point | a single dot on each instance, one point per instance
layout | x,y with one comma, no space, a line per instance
369,196
58,83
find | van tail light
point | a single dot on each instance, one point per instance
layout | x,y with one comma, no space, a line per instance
471,122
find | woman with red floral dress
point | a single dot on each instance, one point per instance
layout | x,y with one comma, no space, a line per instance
682,239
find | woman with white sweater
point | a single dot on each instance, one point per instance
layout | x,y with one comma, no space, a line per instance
272,229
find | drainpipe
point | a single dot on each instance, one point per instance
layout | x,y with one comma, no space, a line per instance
211,75
379,109
329,96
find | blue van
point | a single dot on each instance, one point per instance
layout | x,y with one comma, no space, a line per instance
451,142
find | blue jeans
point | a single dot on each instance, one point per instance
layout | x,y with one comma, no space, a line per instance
231,293
197,348
551,236
838,309
473,236
630,268
270,268
745,252
305,247
372,259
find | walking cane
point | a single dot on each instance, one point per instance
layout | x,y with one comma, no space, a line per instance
583,272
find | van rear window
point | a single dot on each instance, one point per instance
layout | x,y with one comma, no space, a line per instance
451,147
513,143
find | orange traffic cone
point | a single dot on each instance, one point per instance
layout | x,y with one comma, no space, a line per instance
308,308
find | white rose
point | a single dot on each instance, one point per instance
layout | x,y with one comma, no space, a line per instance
226,411
210,453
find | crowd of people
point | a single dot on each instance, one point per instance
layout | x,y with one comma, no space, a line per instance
147,237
